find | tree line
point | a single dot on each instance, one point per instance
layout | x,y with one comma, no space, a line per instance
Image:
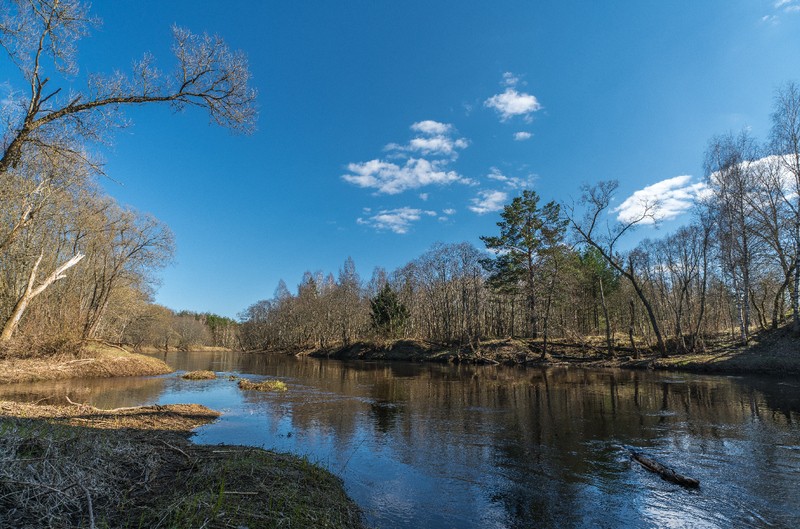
561,271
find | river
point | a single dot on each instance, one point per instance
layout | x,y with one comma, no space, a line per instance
442,446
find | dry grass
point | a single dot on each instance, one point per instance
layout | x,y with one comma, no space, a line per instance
92,361
77,466
266,385
199,375
775,352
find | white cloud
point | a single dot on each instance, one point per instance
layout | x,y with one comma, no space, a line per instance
396,220
434,139
488,201
423,196
510,181
436,145
512,103
449,211
663,200
509,79
433,149
390,179
522,136
785,6
429,126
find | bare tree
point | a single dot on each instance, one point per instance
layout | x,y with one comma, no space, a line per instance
730,173
786,144
47,132
597,199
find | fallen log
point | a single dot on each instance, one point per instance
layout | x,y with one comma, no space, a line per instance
666,473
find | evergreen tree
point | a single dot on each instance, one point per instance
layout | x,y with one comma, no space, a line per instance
389,314
528,235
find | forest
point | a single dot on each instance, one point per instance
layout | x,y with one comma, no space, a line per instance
569,272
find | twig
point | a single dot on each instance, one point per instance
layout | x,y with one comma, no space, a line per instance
176,449
112,410
91,509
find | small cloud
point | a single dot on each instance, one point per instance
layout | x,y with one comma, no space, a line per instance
509,79
522,136
510,181
429,126
435,139
390,179
395,220
785,6
663,200
512,103
488,201
423,196
423,161
449,211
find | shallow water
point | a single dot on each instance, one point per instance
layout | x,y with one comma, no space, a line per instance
428,445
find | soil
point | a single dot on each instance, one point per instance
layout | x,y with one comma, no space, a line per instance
769,352
93,360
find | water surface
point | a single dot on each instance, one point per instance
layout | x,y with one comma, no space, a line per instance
439,446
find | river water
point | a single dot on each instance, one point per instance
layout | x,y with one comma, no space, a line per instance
441,446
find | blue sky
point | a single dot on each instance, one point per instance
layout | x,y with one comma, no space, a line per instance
387,126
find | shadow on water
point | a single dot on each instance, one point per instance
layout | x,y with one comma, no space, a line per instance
429,445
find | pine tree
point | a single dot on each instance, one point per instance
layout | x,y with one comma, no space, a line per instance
528,234
389,314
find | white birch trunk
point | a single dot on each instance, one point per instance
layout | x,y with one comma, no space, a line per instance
31,292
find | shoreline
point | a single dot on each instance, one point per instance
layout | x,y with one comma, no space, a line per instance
74,465
80,466
773,353
93,361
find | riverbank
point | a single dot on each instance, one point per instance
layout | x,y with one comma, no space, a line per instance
79,466
770,352
92,360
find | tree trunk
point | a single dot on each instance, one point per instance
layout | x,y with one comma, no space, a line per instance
609,343
30,293
631,328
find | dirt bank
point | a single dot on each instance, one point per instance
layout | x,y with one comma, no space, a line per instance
93,360
770,352
77,466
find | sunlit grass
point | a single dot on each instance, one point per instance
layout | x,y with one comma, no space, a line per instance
199,375
266,385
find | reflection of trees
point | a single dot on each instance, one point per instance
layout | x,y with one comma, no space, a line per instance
536,442
100,392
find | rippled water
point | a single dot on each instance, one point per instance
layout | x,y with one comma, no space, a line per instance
422,445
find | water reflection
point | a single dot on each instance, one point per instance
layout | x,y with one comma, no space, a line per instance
476,446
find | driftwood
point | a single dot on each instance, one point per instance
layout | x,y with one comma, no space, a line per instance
666,473
113,410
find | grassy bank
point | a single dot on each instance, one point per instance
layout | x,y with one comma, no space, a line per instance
91,360
770,352
78,466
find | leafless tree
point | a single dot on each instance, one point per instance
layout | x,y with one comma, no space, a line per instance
48,133
605,236
786,145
